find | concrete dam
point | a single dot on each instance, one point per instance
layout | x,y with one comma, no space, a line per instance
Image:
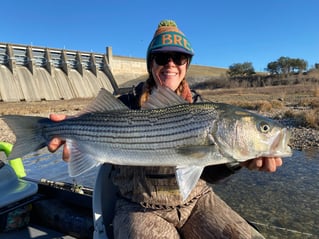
29,73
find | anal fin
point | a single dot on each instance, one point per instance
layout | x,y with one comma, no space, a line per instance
187,178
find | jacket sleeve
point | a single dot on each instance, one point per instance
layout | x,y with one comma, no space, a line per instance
215,173
131,99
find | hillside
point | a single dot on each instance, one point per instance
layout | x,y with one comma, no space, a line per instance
206,71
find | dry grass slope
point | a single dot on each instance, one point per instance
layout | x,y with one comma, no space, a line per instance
300,102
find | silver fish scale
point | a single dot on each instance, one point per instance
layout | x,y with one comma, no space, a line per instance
170,127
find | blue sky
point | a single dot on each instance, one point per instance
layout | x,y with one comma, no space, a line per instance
221,32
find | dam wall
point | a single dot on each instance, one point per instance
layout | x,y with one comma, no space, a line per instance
125,69
30,73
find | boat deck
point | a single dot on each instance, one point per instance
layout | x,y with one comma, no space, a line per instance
56,213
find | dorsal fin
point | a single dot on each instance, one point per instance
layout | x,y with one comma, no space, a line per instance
162,97
103,102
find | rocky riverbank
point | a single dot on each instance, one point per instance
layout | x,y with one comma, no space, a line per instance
302,137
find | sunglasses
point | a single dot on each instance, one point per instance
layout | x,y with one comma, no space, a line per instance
162,59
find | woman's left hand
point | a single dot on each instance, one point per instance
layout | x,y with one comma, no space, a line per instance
263,164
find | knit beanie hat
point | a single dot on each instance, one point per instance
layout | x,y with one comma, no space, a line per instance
167,38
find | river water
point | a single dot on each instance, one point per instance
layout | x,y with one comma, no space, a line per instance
284,204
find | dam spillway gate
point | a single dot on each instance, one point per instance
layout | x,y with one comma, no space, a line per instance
30,73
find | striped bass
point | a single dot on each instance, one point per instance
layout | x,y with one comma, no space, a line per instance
167,131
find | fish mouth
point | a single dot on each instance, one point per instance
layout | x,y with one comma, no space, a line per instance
279,146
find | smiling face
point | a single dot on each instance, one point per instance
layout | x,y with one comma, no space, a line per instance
169,69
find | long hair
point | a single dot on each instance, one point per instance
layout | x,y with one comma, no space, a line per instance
183,90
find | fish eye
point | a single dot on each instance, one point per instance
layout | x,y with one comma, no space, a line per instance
264,127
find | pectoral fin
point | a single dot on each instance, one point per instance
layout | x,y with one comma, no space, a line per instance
187,177
198,151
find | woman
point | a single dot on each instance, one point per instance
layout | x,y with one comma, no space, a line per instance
150,205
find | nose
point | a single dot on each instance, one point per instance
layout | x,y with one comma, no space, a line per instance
170,60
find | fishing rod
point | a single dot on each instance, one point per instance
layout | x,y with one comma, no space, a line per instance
282,228
71,187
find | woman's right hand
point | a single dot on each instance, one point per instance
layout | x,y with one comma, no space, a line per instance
56,142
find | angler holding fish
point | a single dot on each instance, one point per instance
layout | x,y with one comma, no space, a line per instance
166,146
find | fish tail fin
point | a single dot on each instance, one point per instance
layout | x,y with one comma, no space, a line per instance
187,178
28,134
